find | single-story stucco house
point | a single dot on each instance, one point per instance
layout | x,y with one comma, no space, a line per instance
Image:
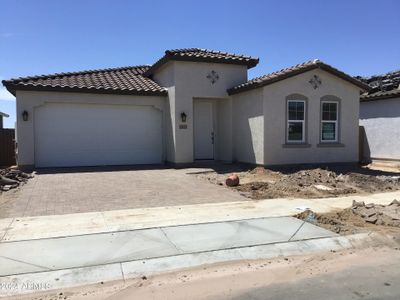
380,117
192,104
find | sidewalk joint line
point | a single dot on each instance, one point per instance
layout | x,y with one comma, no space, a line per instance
298,229
172,243
26,263
122,271
7,229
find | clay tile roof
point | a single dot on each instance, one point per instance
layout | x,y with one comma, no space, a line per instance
382,86
127,80
293,71
204,55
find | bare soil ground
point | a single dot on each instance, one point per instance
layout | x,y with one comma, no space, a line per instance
385,165
360,217
306,182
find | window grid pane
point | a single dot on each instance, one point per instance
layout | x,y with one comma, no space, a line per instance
329,131
295,131
295,120
329,111
296,110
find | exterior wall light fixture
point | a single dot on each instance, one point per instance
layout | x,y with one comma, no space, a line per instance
25,115
183,117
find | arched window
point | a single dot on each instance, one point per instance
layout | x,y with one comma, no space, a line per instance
330,109
296,107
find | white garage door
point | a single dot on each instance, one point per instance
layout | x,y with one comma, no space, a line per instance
69,135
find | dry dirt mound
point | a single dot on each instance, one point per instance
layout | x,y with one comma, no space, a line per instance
314,183
360,217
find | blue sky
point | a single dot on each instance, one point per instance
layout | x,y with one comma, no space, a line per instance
43,36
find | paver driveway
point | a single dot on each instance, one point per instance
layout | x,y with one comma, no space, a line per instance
65,191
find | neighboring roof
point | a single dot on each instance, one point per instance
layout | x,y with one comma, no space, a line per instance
381,95
4,115
382,86
203,55
293,71
127,80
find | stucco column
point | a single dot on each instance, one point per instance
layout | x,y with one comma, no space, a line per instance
183,131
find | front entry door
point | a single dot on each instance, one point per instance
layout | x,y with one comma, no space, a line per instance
203,130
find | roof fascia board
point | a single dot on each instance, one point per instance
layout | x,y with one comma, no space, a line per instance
13,88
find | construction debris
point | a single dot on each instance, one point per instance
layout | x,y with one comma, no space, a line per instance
360,217
387,215
12,178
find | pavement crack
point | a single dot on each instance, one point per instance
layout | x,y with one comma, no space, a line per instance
298,229
24,262
172,243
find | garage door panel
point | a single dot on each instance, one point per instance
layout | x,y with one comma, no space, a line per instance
89,135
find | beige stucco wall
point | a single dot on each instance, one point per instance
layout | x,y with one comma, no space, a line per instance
29,100
223,130
186,81
381,122
165,76
248,127
274,95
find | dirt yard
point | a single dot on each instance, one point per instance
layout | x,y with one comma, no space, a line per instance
300,182
360,217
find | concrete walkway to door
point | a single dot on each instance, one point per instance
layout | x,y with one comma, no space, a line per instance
79,190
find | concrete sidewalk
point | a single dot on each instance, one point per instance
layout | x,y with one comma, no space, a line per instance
107,248
17,229
122,271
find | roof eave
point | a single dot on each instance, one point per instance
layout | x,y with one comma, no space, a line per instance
368,98
8,85
233,91
327,68
13,88
363,86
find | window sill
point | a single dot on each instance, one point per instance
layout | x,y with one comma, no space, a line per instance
330,145
296,145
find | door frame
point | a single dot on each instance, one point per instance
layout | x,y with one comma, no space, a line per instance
213,123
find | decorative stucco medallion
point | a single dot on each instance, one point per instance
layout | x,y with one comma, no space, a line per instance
213,76
315,81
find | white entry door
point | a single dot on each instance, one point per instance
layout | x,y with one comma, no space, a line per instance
68,135
203,130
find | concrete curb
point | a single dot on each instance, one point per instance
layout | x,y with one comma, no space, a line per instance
51,280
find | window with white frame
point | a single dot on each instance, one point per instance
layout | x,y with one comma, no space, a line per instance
329,121
296,121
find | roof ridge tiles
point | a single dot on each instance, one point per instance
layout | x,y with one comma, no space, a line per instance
84,72
123,80
203,55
